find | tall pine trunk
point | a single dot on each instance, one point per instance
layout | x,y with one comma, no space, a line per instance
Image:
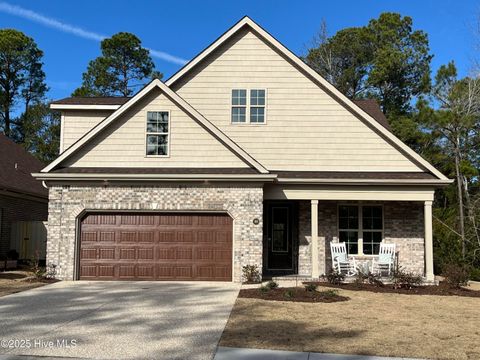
459,180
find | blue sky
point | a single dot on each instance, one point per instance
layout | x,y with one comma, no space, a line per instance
68,32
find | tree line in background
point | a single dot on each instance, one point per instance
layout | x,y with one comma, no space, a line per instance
386,60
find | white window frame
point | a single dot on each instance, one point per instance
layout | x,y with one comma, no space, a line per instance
158,133
248,106
360,226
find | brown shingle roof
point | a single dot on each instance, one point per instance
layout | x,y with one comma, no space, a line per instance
354,175
371,107
16,166
122,170
106,100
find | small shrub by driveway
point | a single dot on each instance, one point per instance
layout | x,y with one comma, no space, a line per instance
384,324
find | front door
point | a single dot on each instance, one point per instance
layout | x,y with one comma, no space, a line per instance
279,243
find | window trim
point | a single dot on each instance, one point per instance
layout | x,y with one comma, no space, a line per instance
156,133
248,107
360,206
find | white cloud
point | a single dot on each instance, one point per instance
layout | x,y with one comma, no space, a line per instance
74,30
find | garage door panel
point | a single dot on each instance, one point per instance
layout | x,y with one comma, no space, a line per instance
127,253
145,253
106,271
106,253
156,247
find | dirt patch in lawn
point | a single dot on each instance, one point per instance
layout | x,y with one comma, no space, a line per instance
441,290
383,324
16,281
293,294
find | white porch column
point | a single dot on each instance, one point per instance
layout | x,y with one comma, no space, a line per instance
428,241
314,222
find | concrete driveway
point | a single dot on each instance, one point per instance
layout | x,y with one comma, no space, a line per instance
117,320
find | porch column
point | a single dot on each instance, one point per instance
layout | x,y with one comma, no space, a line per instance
428,241
314,222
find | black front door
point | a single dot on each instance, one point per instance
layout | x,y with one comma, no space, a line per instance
280,244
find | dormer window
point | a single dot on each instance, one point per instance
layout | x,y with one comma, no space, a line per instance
248,106
158,126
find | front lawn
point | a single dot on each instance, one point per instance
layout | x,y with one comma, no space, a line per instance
428,326
17,281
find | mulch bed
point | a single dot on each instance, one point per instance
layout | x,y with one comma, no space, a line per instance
296,295
441,290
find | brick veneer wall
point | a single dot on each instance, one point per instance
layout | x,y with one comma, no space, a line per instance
14,209
243,202
403,225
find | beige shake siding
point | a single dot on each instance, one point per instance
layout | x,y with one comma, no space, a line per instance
306,129
77,123
123,143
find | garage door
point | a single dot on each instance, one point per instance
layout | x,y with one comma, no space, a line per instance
156,247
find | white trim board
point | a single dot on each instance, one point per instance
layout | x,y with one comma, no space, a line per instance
217,133
319,80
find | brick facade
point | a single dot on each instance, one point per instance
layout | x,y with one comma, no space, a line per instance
403,225
14,208
243,202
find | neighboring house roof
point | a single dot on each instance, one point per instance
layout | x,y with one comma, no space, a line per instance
16,166
216,132
316,78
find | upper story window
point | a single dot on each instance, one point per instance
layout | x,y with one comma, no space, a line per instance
361,228
158,127
248,109
257,106
239,106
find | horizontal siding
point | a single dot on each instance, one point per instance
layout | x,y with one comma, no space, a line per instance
78,123
123,143
306,128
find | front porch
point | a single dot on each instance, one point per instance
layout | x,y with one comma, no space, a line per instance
298,232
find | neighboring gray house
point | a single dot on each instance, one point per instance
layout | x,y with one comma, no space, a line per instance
23,200
244,156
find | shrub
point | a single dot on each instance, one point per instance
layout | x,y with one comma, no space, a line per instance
374,279
329,293
475,274
251,274
334,277
289,294
402,279
456,275
264,289
360,277
272,284
310,287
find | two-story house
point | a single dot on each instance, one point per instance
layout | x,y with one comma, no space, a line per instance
244,156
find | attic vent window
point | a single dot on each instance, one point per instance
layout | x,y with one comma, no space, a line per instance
158,130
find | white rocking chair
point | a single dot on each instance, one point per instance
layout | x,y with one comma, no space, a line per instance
385,261
340,260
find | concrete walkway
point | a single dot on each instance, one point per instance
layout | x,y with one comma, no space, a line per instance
228,353
116,320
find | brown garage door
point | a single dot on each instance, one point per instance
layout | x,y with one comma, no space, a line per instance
156,247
